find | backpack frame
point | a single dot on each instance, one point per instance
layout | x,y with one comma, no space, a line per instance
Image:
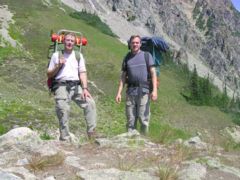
55,47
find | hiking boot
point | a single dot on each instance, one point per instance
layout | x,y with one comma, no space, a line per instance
93,135
66,139
144,130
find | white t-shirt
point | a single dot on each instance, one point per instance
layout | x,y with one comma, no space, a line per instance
70,69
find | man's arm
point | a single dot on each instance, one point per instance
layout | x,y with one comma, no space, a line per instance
120,87
154,82
52,72
83,79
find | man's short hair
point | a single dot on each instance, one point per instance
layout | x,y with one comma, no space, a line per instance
133,37
71,34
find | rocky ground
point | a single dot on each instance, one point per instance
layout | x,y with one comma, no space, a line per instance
5,20
126,156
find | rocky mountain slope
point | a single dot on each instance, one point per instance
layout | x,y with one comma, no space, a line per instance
201,32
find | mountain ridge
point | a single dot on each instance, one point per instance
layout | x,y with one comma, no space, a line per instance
189,26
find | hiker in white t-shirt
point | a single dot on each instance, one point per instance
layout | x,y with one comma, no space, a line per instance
67,71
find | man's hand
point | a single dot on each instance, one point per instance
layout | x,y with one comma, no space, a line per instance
154,95
86,94
62,61
51,73
118,98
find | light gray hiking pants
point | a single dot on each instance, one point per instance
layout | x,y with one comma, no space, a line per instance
138,107
63,97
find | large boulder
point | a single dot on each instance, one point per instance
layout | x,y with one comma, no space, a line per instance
18,137
194,171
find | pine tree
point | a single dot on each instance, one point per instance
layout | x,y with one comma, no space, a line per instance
238,103
224,98
206,92
194,86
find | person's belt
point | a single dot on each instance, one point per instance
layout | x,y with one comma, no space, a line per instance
144,85
69,83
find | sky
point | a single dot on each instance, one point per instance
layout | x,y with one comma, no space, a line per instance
236,3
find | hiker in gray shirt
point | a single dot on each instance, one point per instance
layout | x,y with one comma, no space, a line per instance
139,74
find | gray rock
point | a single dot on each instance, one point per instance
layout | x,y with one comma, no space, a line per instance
73,161
128,139
215,163
50,178
8,176
114,174
21,171
20,136
195,171
22,162
234,133
48,149
196,143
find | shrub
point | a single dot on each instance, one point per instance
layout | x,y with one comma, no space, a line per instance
45,136
38,162
166,172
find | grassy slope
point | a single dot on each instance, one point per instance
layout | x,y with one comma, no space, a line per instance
25,99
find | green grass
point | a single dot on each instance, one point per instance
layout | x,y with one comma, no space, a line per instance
24,95
45,136
200,22
196,11
164,133
236,118
3,129
5,53
236,33
93,20
15,32
16,112
229,145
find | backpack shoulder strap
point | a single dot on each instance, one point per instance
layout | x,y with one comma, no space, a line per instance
78,58
146,57
60,54
127,57
77,55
